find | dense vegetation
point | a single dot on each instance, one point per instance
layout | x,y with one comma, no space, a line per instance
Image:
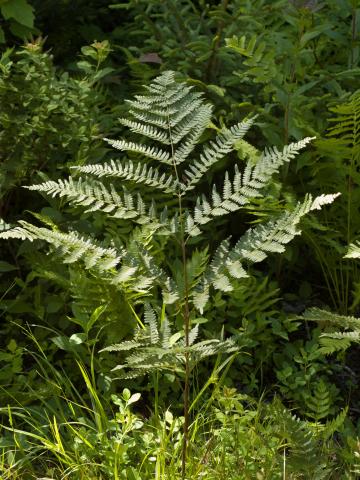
180,239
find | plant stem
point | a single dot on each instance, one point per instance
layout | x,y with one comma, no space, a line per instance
186,321
353,35
187,364
213,60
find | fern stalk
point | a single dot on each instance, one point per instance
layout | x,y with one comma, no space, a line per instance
186,310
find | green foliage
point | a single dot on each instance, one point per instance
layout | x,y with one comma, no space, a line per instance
303,376
48,121
84,435
165,115
331,340
155,347
19,19
338,168
154,241
288,62
170,106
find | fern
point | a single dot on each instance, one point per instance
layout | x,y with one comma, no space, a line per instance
335,341
334,425
320,403
338,170
253,247
353,251
157,348
302,454
132,172
169,121
72,246
96,197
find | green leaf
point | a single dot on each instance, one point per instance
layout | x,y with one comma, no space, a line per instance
12,346
216,89
77,339
126,394
20,11
134,398
69,344
6,267
102,73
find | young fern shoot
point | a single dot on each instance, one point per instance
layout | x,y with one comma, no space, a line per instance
168,156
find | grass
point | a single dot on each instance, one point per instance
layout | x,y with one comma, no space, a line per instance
79,433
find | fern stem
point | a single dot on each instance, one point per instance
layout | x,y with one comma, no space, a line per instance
186,316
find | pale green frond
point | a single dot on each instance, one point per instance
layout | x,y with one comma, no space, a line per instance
194,332
323,199
200,295
149,118
133,172
151,152
184,149
326,317
334,341
147,130
169,95
171,114
71,246
214,152
96,197
350,336
270,237
4,226
257,244
120,347
330,345
193,119
151,322
169,291
353,250
246,186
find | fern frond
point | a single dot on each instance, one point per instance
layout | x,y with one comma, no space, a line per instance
121,347
96,197
333,342
154,153
156,348
171,114
353,250
329,345
150,320
347,123
193,128
303,454
320,403
71,246
4,226
133,172
214,152
346,336
272,237
330,318
149,131
253,247
334,425
237,193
